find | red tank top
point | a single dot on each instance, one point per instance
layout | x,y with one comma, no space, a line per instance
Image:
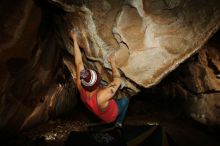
108,114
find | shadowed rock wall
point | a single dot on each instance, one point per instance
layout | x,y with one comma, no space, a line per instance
196,83
34,87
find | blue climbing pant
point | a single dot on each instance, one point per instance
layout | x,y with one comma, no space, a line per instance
122,108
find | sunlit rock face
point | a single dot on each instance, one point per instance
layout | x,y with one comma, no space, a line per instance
162,34
150,38
157,35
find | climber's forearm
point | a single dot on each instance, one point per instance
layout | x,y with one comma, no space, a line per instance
77,53
115,71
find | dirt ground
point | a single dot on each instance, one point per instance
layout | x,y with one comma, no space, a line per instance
169,114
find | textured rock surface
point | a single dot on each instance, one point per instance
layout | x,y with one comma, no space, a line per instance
200,80
197,84
33,86
156,35
150,39
162,34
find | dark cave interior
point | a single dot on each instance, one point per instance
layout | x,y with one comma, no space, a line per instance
40,105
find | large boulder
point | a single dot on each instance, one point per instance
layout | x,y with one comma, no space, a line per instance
150,37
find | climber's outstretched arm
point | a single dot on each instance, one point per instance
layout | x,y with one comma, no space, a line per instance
78,59
109,92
